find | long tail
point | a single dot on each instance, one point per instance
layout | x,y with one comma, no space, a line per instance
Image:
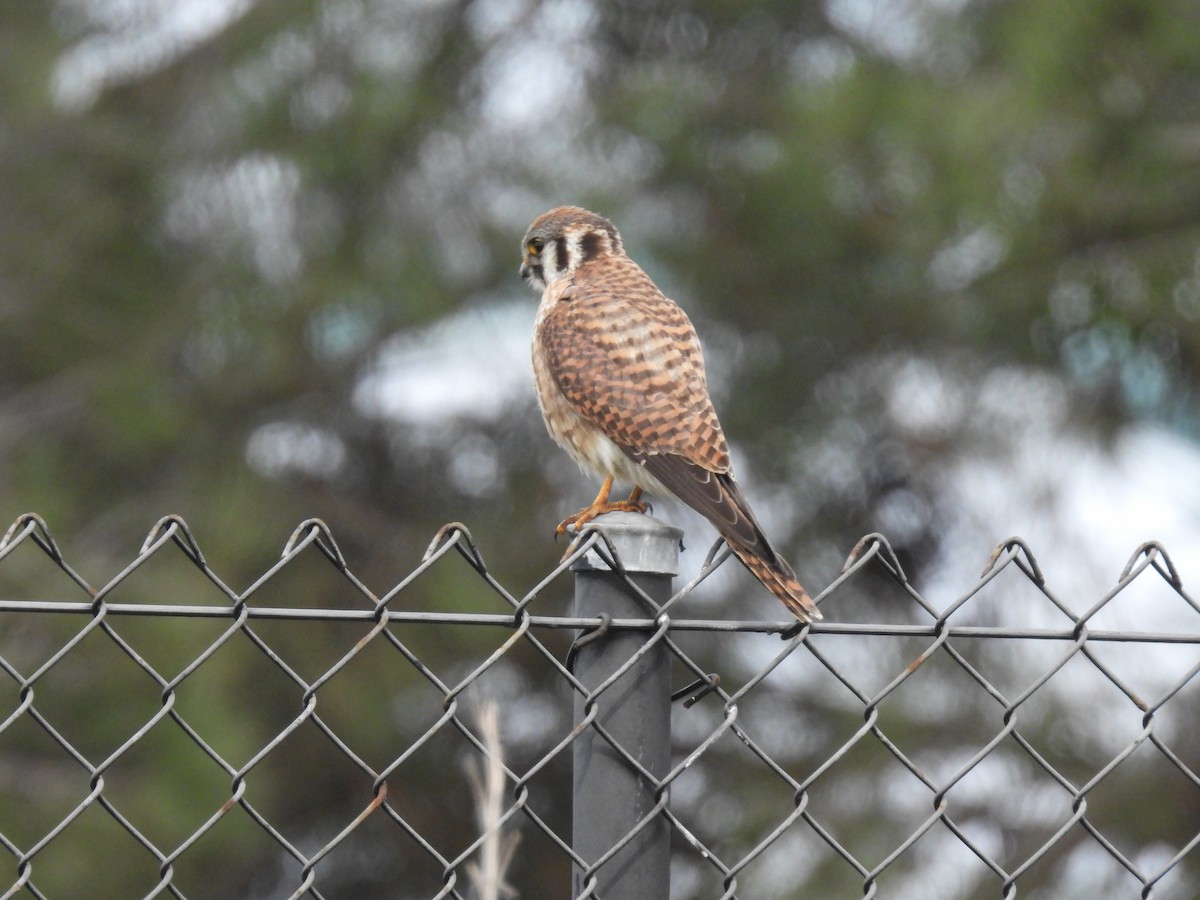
716,496
778,578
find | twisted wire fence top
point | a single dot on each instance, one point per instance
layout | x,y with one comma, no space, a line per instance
165,734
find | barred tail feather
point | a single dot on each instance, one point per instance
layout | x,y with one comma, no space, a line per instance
716,496
778,578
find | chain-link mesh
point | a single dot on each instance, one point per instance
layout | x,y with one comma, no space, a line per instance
164,734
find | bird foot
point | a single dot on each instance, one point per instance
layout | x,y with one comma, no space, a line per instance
576,522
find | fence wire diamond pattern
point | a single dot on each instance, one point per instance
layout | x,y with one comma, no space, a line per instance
164,734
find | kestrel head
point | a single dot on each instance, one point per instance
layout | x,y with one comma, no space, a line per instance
560,241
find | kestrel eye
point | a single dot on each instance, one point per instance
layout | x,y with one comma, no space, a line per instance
535,246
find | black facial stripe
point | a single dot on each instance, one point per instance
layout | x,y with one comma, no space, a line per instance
560,254
535,273
589,245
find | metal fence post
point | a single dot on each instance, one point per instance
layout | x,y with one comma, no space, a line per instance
609,797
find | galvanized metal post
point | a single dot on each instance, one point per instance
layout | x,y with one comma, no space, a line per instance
610,797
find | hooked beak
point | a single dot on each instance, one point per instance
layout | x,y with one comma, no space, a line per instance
531,271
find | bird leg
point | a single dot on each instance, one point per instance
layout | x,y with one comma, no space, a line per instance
602,505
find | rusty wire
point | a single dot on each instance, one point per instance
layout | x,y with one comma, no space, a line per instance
55,628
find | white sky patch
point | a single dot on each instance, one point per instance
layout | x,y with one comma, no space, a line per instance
282,448
472,364
903,30
895,28
1105,504
820,60
921,401
250,205
535,73
133,38
963,260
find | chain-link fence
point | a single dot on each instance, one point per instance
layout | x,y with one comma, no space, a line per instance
164,734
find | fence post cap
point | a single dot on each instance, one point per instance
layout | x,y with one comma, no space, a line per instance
642,544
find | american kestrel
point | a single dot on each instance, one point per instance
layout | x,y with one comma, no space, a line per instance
621,384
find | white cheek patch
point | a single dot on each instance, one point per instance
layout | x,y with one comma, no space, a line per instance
548,264
574,249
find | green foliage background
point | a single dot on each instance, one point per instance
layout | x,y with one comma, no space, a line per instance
218,223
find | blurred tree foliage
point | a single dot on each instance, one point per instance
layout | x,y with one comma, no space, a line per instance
899,228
